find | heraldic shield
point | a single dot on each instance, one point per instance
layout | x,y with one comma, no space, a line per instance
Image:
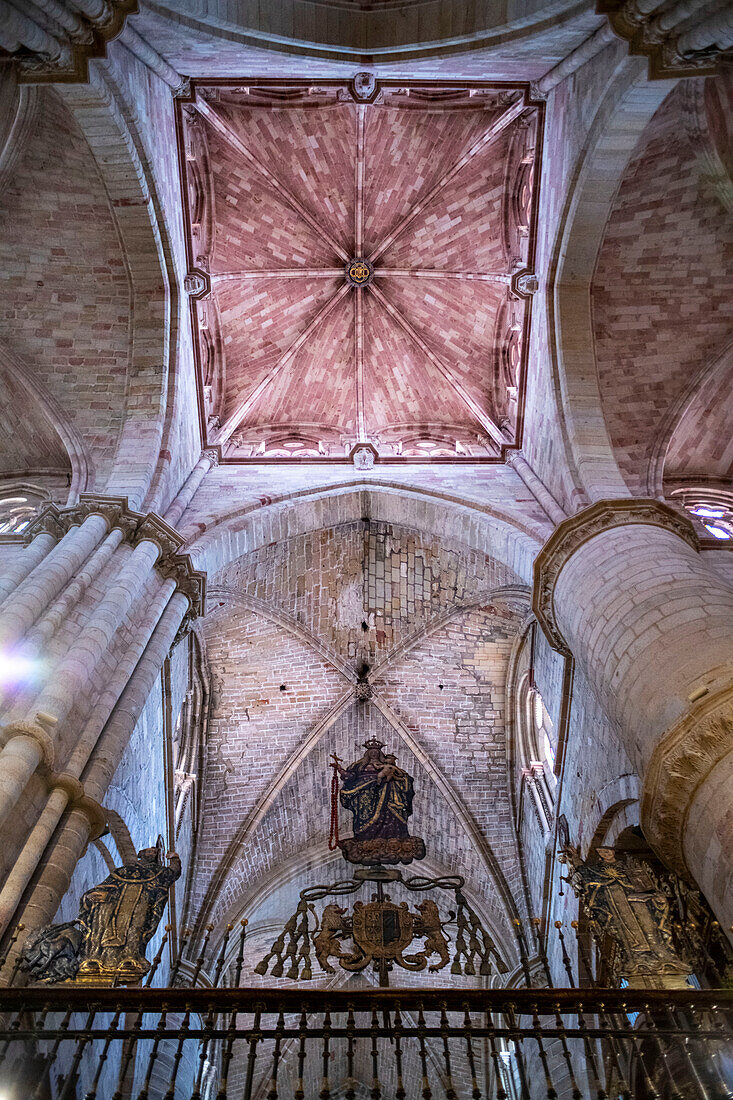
381,930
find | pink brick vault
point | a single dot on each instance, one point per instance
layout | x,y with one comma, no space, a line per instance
663,287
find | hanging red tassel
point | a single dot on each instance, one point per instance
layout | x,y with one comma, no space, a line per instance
333,836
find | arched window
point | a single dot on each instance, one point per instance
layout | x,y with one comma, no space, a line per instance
713,508
537,743
18,506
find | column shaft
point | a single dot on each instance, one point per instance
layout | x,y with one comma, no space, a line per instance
37,591
185,496
49,623
71,840
32,852
59,797
650,624
32,556
623,587
82,660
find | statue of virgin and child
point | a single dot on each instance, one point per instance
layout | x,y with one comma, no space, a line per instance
379,795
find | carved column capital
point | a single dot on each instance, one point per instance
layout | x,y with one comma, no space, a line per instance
681,761
213,454
574,532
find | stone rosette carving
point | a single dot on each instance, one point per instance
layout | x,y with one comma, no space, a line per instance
574,532
681,761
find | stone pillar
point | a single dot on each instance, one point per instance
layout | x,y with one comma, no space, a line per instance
194,479
22,755
26,744
34,595
49,623
32,556
81,661
715,31
580,56
66,788
622,587
72,839
537,488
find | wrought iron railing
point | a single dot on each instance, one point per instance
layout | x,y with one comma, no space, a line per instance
164,1044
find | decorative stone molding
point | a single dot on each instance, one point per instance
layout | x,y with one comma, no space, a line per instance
35,731
681,761
525,284
136,527
197,284
64,781
574,532
65,55
364,87
363,455
95,814
213,454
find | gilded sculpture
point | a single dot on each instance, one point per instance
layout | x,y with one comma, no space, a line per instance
106,942
625,901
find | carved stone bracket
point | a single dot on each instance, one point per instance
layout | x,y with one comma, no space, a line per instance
574,532
197,284
525,284
64,781
95,814
683,758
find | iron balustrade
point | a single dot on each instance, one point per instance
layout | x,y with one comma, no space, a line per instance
212,1044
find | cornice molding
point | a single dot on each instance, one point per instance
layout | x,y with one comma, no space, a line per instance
681,761
572,533
136,527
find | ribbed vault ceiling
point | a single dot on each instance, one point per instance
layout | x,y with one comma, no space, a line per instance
419,350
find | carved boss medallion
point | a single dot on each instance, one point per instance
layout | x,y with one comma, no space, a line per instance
360,272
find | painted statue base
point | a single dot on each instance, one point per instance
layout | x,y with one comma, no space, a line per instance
127,973
383,850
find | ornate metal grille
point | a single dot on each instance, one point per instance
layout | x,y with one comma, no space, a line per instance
504,1044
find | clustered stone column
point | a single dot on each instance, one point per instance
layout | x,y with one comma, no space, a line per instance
68,550
622,586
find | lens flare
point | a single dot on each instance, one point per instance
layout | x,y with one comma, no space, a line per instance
18,670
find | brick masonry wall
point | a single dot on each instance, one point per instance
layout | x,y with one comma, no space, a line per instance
663,288
365,587
272,690
66,300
